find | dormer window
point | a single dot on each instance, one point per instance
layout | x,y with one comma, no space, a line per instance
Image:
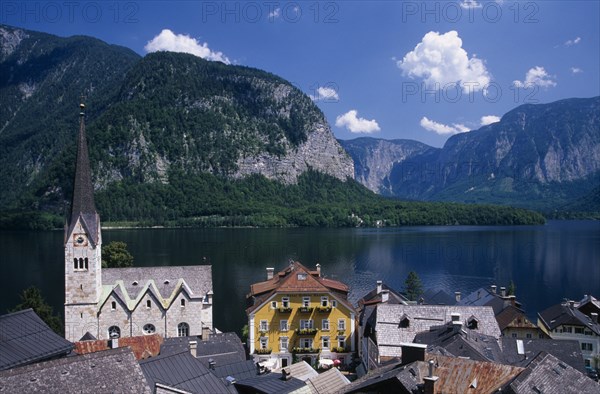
135,283
404,322
302,276
472,323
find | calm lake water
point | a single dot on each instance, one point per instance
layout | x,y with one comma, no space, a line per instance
547,263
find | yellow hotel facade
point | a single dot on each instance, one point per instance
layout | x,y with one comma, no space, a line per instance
295,315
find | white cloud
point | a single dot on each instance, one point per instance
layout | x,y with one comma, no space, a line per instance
352,122
439,59
441,128
470,4
536,76
326,94
489,119
576,70
169,41
572,42
276,13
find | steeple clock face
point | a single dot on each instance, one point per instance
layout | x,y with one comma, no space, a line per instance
80,240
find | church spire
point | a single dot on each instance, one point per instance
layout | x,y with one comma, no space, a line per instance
83,205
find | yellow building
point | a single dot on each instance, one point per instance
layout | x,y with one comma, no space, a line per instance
296,314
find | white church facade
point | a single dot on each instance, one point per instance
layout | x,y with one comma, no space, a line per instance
117,302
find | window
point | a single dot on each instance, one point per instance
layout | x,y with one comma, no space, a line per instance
183,330
306,302
325,324
324,301
334,303
75,266
285,302
587,346
528,335
304,324
86,263
306,342
264,325
274,304
149,329
578,330
114,332
341,324
113,305
283,343
183,302
283,325
325,342
472,323
264,342
404,322
342,342
514,334
568,329
301,276
148,304
541,336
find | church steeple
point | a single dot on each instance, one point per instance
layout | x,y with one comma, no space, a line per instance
82,206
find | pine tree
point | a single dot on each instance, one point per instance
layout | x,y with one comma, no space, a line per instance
32,298
413,286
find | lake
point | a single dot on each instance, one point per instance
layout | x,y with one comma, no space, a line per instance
547,263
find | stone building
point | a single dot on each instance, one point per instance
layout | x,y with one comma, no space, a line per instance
115,302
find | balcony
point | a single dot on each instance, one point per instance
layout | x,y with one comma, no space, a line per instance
305,309
303,350
306,331
340,350
284,309
262,351
323,309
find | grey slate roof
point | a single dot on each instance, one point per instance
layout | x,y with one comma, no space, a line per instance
182,371
390,335
567,351
225,348
25,339
373,296
330,381
546,374
110,371
561,314
483,297
300,370
270,383
438,297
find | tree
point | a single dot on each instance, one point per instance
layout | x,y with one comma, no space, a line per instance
413,286
511,288
116,255
245,333
32,298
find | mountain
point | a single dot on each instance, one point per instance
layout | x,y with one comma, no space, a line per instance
374,159
537,156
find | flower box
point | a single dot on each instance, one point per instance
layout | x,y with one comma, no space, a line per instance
324,309
340,350
306,309
284,310
300,350
262,351
306,331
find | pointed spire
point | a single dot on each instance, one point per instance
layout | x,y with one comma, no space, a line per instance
83,192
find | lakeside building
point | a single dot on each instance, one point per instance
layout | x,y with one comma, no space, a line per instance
120,302
297,314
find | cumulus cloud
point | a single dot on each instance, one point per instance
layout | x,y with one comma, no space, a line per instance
439,59
169,41
536,76
489,119
326,94
442,129
572,42
576,70
352,122
466,4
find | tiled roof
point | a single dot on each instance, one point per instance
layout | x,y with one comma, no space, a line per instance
164,283
25,339
182,371
390,335
330,381
513,317
561,314
270,383
143,346
546,374
567,351
111,371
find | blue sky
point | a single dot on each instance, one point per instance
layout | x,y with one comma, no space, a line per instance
420,70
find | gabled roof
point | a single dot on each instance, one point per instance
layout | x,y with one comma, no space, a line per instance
111,371
373,297
143,346
589,304
223,349
330,381
567,351
484,297
561,314
26,339
182,371
438,297
546,374
300,370
270,383
513,317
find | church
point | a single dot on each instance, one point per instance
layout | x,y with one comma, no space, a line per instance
111,303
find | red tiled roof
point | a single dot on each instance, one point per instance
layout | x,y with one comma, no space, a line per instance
142,346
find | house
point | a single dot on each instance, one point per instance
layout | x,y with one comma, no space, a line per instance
272,383
119,302
546,374
110,371
588,305
381,293
143,346
390,326
298,312
520,352
26,339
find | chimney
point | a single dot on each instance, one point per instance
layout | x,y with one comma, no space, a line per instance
270,271
211,363
285,375
594,317
429,381
510,300
194,348
412,352
319,270
379,286
456,326
493,287
455,316
572,304
385,295
503,291
457,295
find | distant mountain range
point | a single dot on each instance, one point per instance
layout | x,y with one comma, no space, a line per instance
541,156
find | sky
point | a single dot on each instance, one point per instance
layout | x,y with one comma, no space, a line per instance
421,70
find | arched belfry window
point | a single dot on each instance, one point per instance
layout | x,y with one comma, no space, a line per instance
75,265
183,330
114,332
85,263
